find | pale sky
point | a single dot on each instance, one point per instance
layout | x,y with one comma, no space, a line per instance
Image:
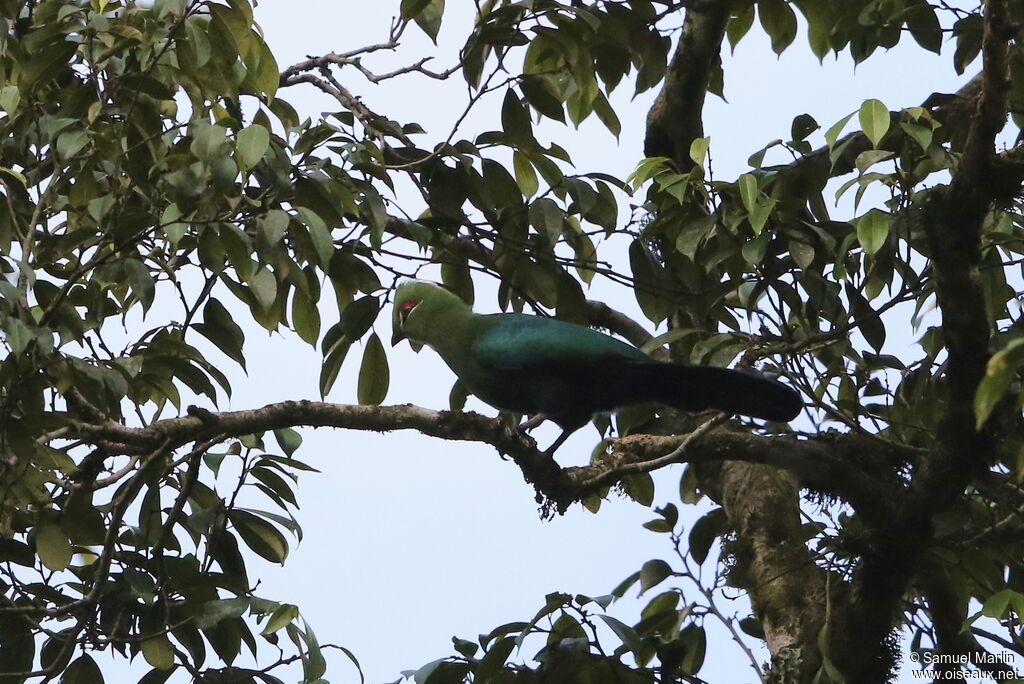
411,540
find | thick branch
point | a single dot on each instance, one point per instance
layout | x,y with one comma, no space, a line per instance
601,315
674,121
953,222
953,219
788,590
952,110
844,465
836,463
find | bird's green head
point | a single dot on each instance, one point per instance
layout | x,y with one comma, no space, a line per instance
419,305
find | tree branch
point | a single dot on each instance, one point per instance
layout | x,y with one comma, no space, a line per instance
838,464
952,219
674,120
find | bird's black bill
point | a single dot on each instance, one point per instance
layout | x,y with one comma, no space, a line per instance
397,337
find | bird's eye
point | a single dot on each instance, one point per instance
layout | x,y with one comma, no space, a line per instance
405,308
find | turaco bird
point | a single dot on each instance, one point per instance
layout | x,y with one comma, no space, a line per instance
565,372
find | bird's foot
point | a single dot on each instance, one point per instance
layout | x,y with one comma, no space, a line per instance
532,422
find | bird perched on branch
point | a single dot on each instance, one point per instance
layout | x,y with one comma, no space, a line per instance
566,373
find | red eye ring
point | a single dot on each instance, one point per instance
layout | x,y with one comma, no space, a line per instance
406,307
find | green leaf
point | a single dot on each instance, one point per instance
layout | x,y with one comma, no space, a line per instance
658,525
752,627
583,250
759,215
526,176
820,22
968,31
704,532
306,318
171,226
996,604
547,217
429,18
748,191
10,98
19,336
314,664
999,374
409,9
209,142
158,652
358,316
165,7
653,573
779,21
924,26
802,126
606,114
739,25
263,75
289,440
639,487
689,493
219,327
832,134
651,281
872,230
84,670
319,234
52,545
515,119
264,539
802,253
922,135
278,489
622,587
46,63
870,322
542,95
281,617
142,282
237,24
869,158
754,251
699,150
70,143
274,226
695,642
213,612
629,637
333,360
494,660
195,51
250,146
264,286
374,375
874,120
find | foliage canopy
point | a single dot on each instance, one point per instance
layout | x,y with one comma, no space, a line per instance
159,192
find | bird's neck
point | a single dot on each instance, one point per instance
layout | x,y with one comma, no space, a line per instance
451,330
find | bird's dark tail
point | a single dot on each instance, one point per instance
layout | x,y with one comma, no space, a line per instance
699,388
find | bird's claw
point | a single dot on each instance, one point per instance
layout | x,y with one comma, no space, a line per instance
531,422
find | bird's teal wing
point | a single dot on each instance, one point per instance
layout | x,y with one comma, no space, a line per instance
516,342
